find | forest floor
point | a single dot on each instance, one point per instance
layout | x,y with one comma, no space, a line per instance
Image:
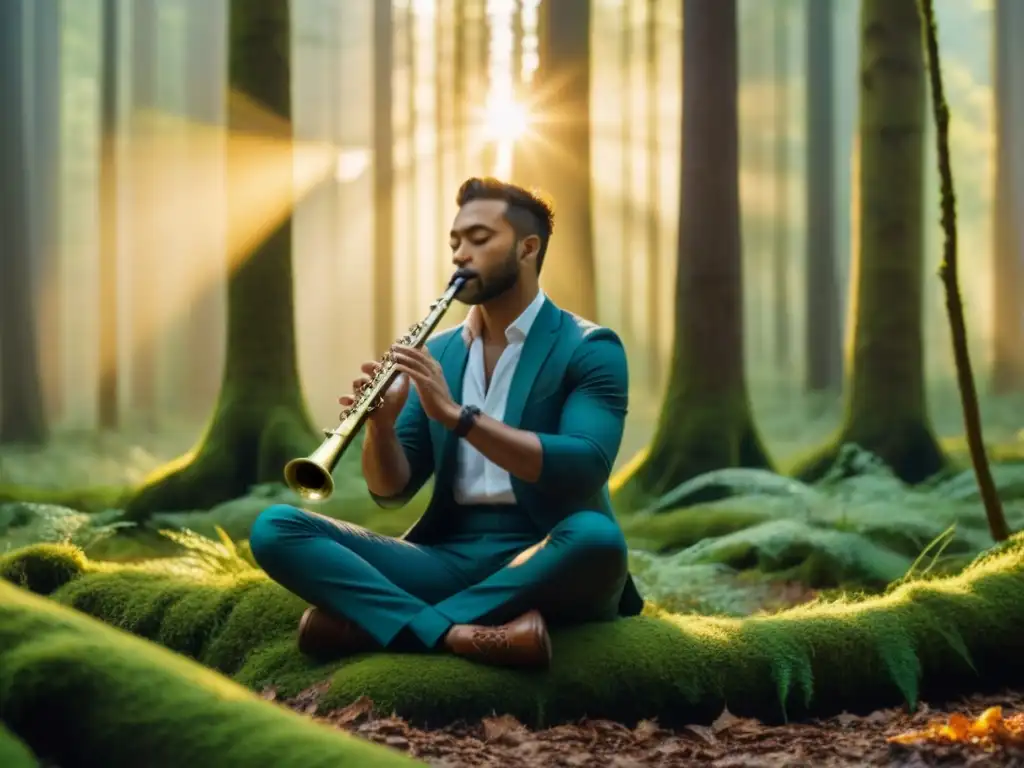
980,730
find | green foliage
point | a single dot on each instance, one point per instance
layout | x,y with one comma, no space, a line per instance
860,529
25,523
82,694
937,635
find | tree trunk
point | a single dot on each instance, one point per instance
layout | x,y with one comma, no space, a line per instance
1008,283
206,106
823,335
653,215
22,418
562,159
109,216
145,196
706,422
260,421
46,194
948,273
383,179
886,404
781,208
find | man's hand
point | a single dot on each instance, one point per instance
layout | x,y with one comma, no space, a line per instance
428,378
394,398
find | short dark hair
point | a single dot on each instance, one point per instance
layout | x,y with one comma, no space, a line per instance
528,212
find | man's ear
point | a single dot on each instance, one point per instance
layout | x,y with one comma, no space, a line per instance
529,247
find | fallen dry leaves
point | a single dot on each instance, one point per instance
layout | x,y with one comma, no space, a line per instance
891,737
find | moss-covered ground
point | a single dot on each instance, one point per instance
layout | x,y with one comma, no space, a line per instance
79,693
923,637
14,753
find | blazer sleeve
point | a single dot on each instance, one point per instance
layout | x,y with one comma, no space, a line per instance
413,430
578,459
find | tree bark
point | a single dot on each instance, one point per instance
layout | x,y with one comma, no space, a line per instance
823,335
562,159
1008,233
260,421
886,410
22,417
706,422
109,215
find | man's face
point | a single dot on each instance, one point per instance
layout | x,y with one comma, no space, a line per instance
483,241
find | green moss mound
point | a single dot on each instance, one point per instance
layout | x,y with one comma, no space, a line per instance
930,636
43,568
13,753
79,693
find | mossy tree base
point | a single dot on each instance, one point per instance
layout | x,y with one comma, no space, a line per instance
910,450
702,441
244,446
935,637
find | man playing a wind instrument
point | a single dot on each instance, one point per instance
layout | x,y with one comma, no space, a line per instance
518,415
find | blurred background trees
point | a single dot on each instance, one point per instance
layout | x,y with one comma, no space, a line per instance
135,220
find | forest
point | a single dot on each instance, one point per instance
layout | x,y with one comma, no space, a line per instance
803,218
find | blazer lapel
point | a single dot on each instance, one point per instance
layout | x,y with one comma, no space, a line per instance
538,345
453,362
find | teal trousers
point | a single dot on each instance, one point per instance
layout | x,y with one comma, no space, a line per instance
492,566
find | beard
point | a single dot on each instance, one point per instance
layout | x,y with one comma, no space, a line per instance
487,287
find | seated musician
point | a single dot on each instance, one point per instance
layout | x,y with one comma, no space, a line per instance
518,414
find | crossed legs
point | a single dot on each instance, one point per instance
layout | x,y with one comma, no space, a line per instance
396,590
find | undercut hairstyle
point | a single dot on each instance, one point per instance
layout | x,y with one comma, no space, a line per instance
526,212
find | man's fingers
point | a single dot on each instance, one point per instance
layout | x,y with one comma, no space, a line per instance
346,400
369,368
359,383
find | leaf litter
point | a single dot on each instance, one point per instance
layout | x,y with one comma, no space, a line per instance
981,730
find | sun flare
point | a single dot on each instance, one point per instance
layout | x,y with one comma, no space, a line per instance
505,120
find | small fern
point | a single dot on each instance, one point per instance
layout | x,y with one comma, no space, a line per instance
208,556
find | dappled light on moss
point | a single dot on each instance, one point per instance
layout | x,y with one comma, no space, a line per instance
81,694
851,653
42,568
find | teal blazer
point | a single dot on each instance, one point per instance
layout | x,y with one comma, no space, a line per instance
570,387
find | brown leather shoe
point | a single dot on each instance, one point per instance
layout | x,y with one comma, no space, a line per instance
523,642
325,636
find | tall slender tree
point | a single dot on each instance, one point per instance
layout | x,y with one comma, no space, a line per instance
22,418
886,406
206,106
383,178
560,164
652,229
1008,285
823,336
781,16
145,291
46,192
109,216
706,421
260,421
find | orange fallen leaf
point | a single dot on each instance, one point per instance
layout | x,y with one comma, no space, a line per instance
988,730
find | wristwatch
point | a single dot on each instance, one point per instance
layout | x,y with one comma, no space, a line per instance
467,418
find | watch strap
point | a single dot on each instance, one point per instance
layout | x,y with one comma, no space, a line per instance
467,418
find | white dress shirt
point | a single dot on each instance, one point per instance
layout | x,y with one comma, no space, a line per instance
478,480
